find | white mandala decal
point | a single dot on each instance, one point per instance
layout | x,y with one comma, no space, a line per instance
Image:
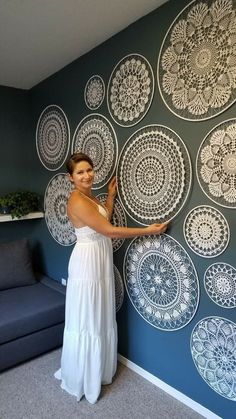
161,281
94,92
130,90
197,62
52,137
213,348
154,174
220,284
96,137
216,164
55,207
118,219
119,289
206,231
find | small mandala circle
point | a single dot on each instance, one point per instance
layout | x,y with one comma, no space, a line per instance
196,68
130,90
96,137
216,164
118,219
161,281
213,349
94,92
154,174
220,284
206,231
119,289
55,206
52,137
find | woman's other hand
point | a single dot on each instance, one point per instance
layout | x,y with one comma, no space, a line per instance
157,228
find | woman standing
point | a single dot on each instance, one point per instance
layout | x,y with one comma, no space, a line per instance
89,353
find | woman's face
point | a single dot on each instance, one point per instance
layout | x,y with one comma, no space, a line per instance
82,176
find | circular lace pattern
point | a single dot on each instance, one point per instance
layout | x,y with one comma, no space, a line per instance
94,92
220,284
52,137
154,173
161,281
96,137
130,90
206,231
213,348
216,164
197,60
119,289
118,219
55,207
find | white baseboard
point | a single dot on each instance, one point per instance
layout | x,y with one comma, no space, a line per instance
168,389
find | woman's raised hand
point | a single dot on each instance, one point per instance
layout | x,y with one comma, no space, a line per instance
112,187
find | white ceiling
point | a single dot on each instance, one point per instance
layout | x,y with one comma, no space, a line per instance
39,37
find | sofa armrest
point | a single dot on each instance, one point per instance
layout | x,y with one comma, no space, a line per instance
51,283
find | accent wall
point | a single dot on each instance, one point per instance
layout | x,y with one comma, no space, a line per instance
175,351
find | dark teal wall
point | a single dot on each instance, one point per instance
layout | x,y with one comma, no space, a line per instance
18,161
164,354
16,147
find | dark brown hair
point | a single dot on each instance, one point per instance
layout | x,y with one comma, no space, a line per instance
76,158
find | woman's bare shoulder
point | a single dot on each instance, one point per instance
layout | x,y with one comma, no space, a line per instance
77,200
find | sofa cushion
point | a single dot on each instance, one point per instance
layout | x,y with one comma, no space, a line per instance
25,310
15,265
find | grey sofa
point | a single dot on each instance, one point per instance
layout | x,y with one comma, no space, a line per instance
32,307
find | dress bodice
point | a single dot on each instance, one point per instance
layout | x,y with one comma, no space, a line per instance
85,234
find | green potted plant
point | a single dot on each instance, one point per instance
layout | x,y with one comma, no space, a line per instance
18,204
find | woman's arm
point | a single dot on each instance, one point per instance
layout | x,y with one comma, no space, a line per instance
81,210
112,192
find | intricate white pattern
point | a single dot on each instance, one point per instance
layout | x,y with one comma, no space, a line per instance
216,164
206,231
197,60
52,137
119,289
118,219
130,90
220,284
213,348
161,281
55,203
154,174
96,137
94,92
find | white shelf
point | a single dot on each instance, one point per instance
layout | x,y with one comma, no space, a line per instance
30,216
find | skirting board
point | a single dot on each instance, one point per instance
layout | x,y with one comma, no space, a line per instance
168,389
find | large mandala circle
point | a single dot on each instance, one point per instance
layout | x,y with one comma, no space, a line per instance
94,92
118,219
197,62
161,281
55,207
206,231
96,137
213,348
154,174
216,164
119,289
220,284
130,90
52,137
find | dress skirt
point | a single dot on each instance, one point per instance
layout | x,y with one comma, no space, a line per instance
89,353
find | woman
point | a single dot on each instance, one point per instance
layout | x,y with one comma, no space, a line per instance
89,354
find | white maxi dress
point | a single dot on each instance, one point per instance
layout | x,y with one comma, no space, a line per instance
89,353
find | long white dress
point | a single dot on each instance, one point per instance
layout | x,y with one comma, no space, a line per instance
89,353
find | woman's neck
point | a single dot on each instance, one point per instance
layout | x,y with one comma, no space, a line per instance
87,193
